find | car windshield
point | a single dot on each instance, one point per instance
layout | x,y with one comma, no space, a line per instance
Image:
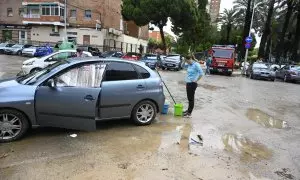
9,45
223,53
31,78
260,66
108,53
296,68
17,46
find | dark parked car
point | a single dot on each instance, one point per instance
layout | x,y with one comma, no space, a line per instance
173,61
289,73
260,71
16,49
93,50
132,56
4,46
108,54
150,60
75,93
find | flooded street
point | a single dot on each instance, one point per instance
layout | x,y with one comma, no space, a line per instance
240,129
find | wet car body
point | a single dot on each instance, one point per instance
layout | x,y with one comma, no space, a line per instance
289,73
49,98
4,46
150,60
260,71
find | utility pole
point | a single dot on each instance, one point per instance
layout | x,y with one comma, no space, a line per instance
65,19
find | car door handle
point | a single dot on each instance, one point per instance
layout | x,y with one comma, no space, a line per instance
140,87
89,98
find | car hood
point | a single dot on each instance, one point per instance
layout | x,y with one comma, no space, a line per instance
12,91
171,59
262,70
149,61
30,60
29,49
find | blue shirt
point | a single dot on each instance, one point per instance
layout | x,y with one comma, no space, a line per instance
194,71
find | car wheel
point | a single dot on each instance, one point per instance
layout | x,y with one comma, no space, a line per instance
34,70
250,76
144,113
177,69
13,125
1,51
163,68
285,78
19,53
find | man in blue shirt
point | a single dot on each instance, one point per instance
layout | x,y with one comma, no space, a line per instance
194,74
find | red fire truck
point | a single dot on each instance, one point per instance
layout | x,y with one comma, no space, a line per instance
223,57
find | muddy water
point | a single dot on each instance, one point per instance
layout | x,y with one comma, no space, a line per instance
265,120
248,150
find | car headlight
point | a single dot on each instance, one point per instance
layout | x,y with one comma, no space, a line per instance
28,64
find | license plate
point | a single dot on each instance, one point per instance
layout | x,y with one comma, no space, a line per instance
170,65
222,65
220,70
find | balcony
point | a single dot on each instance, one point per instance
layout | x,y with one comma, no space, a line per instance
33,16
25,2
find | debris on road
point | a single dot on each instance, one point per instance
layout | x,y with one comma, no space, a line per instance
4,155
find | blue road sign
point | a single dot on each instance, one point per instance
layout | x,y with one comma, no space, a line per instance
248,45
249,39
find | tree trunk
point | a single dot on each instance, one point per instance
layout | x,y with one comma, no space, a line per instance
297,37
267,30
162,35
228,33
280,44
246,25
267,52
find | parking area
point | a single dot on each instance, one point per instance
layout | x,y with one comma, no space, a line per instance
240,129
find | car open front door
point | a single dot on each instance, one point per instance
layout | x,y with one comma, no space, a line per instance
71,101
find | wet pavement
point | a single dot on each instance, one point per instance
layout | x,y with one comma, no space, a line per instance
240,129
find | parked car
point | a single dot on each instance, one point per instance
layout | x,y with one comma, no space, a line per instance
173,61
37,51
36,64
289,73
109,54
132,56
16,49
76,93
93,50
260,71
150,60
4,46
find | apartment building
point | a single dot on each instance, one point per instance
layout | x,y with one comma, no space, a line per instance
214,10
94,22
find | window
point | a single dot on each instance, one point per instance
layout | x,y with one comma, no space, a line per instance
9,12
87,76
117,71
62,11
143,72
48,10
21,12
54,11
22,34
73,13
88,14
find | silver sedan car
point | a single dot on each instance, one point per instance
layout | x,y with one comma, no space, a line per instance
76,93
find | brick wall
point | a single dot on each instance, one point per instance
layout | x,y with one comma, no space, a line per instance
61,1
44,19
15,5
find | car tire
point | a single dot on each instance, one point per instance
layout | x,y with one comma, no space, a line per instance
19,53
285,78
21,121
138,118
163,68
35,70
250,76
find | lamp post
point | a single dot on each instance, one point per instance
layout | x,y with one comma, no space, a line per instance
251,24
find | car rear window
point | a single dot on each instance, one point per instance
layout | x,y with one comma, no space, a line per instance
142,71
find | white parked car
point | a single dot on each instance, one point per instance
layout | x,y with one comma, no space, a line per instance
36,64
30,51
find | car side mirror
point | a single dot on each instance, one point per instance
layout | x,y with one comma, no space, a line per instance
51,83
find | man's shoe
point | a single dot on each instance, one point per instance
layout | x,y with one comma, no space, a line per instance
187,115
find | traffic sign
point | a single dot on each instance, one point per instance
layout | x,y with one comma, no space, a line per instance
249,39
248,45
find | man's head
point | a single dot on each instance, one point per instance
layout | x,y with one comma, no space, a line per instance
79,50
189,59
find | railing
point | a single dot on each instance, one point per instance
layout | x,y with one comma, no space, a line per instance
31,15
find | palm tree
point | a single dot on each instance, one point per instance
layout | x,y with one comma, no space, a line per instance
267,29
228,18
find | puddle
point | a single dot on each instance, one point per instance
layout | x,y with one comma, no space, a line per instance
248,150
265,120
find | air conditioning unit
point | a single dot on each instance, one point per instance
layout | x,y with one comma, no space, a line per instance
110,30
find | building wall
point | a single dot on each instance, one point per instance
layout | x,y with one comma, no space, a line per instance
214,10
155,35
38,1
15,5
42,33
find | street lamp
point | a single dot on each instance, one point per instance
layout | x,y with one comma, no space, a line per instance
251,24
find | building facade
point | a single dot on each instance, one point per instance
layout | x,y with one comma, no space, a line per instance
214,10
89,22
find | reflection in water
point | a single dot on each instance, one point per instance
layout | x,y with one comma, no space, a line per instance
249,150
265,120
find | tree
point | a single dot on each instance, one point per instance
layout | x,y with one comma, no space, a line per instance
157,12
267,30
228,18
297,36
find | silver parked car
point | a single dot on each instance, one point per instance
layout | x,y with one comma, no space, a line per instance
260,71
76,93
289,73
173,61
16,49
